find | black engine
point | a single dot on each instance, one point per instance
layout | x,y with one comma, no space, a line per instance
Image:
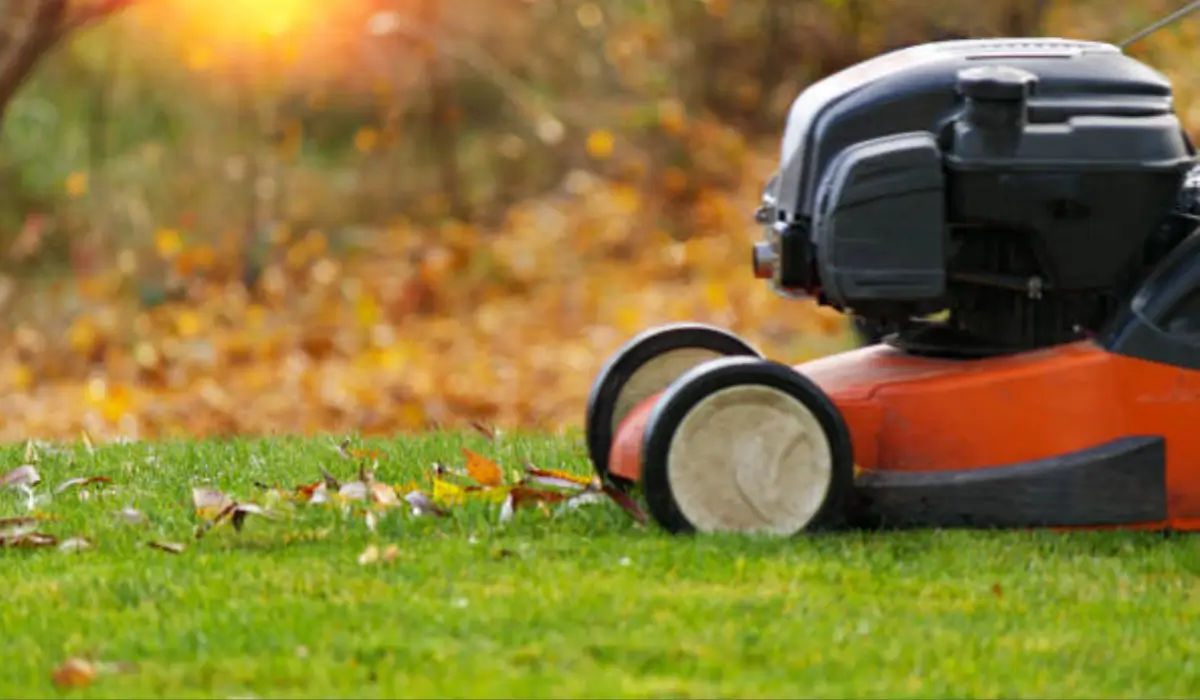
980,197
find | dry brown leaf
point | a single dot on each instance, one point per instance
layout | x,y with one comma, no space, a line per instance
8,525
484,471
24,475
74,673
384,495
627,504
81,481
168,547
27,538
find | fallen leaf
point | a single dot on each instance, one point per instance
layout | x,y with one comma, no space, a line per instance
319,495
997,591
130,516
81,481
169,547
384,494
354,491
209,502
243,510
370,555
8,525
627,503
422,504
306,492
447,493
74,673
27,538
24,475
484,471
587,497
507,509
556,478
74,544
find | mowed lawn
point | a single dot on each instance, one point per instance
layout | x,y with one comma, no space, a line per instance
555,602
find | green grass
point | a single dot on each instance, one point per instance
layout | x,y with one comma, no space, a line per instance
583,604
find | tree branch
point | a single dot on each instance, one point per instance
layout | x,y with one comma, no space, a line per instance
89,13
51,21
40,34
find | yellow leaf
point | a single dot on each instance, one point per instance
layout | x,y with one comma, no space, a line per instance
600,144
447,493
483,470
365,140
168,242
77,184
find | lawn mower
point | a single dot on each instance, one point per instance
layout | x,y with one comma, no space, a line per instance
1016,218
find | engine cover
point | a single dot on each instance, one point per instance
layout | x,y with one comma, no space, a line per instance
1034,167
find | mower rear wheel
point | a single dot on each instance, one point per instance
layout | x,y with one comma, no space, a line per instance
644,366
746,445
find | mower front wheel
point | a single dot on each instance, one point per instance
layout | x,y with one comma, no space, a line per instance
645,366
743,444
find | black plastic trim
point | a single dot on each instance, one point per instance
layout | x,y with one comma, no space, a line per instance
704,379
1122,482
1139,328
636,352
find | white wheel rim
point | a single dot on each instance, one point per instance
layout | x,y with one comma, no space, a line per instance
749,459
654,376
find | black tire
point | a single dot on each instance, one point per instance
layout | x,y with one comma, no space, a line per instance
702,382
603,412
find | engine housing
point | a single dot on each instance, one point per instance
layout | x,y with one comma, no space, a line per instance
1017,183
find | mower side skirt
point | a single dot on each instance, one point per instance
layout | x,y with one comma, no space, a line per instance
1122,482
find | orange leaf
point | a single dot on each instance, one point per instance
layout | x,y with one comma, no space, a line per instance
483,470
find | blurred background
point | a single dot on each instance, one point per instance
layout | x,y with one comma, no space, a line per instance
298,216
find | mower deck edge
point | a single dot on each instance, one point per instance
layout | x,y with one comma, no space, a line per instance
1122,482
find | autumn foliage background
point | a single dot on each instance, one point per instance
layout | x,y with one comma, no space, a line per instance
386,215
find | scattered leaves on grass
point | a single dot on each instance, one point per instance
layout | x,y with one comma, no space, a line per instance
24,475
168,547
